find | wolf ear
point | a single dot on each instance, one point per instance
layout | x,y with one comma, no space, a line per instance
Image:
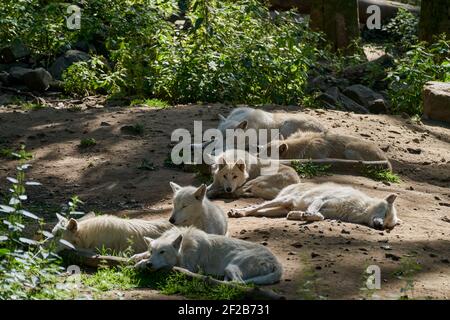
199,194
60,217
222,118
177,242
243,125
72,225
283,147
222,163
175,187
280,137
391,198
148,241
241,165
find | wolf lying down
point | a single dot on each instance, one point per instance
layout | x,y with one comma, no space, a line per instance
94,232
195,250
321,145
238,173
309,202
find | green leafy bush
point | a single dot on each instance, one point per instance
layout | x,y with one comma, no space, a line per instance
88,77
403,31
421,64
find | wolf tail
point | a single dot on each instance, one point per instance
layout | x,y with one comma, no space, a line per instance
269,278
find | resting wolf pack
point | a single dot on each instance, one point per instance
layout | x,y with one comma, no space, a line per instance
196,237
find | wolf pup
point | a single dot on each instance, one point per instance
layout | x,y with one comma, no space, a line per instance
327,201
110,232
239,174
191,207
316,145
195,250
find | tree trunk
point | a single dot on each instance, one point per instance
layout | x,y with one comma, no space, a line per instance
434,19
338,19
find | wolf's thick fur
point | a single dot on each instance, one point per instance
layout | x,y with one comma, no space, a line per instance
238,173
288,123
328,201
191,207
195,250
109,232
321,145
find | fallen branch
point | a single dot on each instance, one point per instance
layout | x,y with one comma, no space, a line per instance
342,165
91,259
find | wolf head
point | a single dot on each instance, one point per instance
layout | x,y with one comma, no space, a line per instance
65,229
231,175
385,214
187,204
228,123
276,149
164,251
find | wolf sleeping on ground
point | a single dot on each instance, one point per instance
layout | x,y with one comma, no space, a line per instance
307,202
193,249
110,232
191,207
238,173
320,145
248,118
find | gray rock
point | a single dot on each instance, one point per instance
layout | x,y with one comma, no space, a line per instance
359,72
322,83
4,77
334,99
436,101
35,79
6,99
15,51
378,106
65,61
362,95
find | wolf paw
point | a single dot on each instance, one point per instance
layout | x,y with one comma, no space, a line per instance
295,215
235,213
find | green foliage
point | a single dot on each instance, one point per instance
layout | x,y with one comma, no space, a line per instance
178,283
115,278
87,142
28,270
403,31
421,64
32,106
406,271
88,77
310,169
152,103
381,175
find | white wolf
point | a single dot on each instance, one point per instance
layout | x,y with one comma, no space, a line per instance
195,250
327,201
106,231
238,173
321,145
248,118
191,207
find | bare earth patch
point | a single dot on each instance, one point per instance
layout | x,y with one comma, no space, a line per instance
108,178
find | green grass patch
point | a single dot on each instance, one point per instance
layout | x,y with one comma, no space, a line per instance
152,103
381,175
165,281
147,165
406,271
136,129
308,282
310,169
32,106
88,142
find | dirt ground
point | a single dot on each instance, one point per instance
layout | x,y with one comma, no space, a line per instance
328,258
